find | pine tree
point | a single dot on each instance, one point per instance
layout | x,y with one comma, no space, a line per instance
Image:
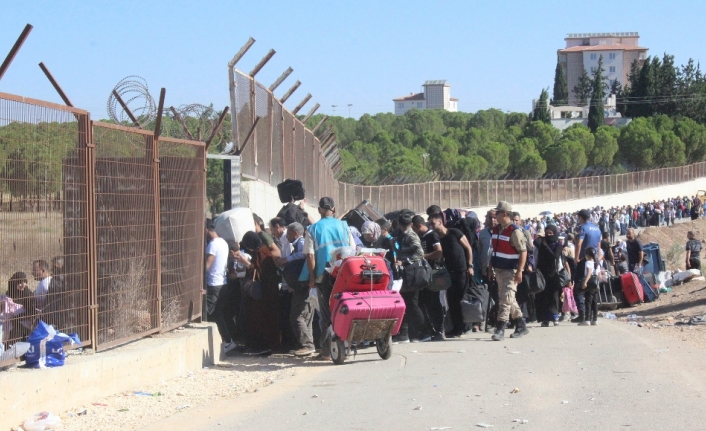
561,88
541,109
582,90
595,112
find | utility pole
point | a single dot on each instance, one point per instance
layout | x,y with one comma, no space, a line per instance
349,110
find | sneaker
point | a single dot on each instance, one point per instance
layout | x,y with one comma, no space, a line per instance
584,323
422,340
562,317
304,351
227,347
556,323
399,339
545,324
594,322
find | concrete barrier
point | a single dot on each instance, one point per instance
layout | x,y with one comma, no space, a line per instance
265,202
86,378
631,198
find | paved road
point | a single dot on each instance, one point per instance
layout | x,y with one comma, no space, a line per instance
614,376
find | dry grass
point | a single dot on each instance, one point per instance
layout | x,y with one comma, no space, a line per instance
25,237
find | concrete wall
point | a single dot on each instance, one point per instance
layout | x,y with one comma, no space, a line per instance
84,379
631,198
264,200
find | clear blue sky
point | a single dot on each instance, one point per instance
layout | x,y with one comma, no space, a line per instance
494,54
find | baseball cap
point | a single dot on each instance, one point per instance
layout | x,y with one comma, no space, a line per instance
326,203
503,206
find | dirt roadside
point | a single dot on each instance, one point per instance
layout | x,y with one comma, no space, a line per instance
671,313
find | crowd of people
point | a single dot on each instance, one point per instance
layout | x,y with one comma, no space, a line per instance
266,292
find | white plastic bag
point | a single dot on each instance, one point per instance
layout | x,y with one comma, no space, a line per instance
41,421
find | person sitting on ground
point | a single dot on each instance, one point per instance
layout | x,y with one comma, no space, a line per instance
18,290
46,292
693,251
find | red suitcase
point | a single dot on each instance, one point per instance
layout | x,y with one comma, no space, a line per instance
355,275
632,289
365,316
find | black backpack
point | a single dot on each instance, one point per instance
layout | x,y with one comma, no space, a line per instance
291,213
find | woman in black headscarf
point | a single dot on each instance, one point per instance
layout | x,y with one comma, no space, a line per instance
261,315
549,261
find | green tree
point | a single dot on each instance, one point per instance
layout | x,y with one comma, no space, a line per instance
596,116
497,156
470,168
605,148
367,128
581,134
561,88
639,144
541,109
532,166
671,152
567,158
693,135
543,134
583,89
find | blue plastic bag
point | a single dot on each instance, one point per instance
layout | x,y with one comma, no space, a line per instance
47,346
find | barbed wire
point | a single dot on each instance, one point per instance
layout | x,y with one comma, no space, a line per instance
135,93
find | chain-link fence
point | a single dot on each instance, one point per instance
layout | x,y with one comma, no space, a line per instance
281,147
101,226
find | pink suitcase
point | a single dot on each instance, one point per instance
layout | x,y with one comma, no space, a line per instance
359,274
365,316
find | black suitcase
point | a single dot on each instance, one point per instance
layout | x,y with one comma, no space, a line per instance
369,210
356,219
290,190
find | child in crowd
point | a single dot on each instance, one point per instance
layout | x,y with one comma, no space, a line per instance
589,288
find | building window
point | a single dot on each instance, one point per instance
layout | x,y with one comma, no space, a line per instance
593,69
419,105
400,105
593,56
611,56
612,69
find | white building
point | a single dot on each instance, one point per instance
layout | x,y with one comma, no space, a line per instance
583,50
436,95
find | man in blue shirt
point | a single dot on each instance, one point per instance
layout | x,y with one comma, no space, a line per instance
587,235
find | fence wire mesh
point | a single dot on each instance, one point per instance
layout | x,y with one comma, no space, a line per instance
43,219
126,234
181,179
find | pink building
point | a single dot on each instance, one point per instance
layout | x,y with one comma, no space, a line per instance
583,50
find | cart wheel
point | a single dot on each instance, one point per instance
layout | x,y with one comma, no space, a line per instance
384,346
338,351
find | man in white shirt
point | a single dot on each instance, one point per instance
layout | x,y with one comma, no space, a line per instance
42,274
216,284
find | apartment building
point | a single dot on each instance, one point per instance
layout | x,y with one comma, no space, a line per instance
583,50
436,95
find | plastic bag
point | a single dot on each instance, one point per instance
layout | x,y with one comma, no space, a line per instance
47,346
41,421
